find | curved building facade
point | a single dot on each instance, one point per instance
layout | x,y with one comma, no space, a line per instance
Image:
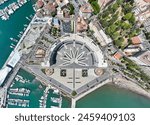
77,63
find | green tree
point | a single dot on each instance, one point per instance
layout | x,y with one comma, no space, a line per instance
115,7
126,25
132,19
128,16
120,2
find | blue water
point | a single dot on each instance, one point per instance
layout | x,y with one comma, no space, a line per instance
104,97
12,27
112,97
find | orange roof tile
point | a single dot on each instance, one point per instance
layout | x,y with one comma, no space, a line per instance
118,55
136,40
147,1
40,3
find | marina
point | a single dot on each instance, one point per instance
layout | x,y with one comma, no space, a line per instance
11,9
3,1
19,102
7,28
27,92
39,95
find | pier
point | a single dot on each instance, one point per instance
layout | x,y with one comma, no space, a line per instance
11,8
73,103
15,55
16,49
13,74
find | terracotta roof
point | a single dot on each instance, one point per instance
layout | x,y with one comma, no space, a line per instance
51,7
81,24
147,1
118,55
136,40
40,3
86,8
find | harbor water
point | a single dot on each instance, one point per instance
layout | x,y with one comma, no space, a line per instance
110,96
36,98
12,27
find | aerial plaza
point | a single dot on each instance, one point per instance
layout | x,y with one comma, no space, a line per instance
73,48
76,64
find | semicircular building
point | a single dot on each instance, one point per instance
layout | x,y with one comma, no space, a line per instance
77,64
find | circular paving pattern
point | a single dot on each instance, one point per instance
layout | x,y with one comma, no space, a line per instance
99,71
49,71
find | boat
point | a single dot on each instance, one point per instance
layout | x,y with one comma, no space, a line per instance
12,47
11,8
13,44
56,100
56,91
12,39
28,18
25,25
3,1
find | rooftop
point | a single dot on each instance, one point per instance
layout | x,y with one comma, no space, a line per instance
118,55
147,1
136,40
40,3
76,61
145,58
86,8
81,25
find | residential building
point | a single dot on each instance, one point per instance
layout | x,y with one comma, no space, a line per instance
62,3
50,8
118,55
102,38
136,40
40,4
147,25
81,25
86,11
142,10
142,58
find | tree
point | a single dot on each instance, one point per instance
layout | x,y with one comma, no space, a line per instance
120,2
126,25
74,93
71,7
96,7
115,7
117,43
132,19
127,7
113,28
115,35
128,16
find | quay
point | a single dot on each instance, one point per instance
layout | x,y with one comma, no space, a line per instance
16,49
13,61
13,74
14,56
11,8
74,100
73,103
3,96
